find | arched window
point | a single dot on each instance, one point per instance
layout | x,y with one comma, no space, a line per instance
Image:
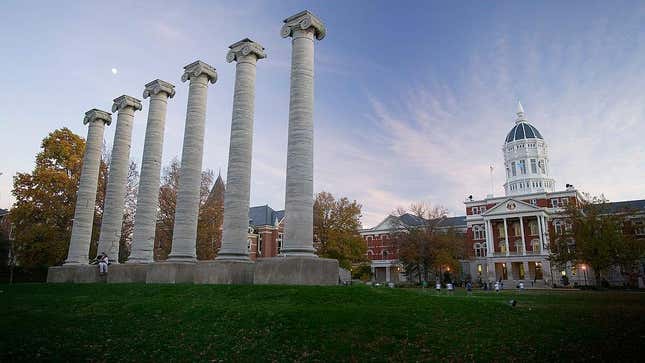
385,254
500,229
516,229
480,249
370,254
533,228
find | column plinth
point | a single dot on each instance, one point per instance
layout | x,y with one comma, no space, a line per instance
298,235
187,210
117,176
238,177
79,244
145,219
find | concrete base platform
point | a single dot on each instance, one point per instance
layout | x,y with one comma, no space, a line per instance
296,271
171,273
224,272
61,274
127,273
75,273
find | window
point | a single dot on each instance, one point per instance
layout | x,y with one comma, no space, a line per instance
482,209
554,203
475,210
519,246
480,249
533,166
280,236
248,246
558,227
513,168
502,246
479,232
385,254
535,245
260,244
533,228
533,201
369,238
639,227
516,229
500,229
564,201
508,172
541,167
522,164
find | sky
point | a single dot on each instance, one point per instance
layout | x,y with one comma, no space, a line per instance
413,99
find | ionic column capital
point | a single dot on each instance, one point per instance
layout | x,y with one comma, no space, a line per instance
244,49
157,86
125,101
196,69
97,115
303,21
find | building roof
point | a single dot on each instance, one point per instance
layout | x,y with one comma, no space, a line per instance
264,215
523,130
632,206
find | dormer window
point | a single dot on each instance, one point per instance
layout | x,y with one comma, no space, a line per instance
475,210
554,202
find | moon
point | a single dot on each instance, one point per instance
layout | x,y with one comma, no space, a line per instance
115,71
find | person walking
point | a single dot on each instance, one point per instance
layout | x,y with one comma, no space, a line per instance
497,287
469,288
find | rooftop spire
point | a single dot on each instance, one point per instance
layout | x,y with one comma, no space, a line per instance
520,113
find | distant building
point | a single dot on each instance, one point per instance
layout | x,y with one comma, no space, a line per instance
509,237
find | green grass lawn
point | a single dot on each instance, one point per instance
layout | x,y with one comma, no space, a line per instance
276,323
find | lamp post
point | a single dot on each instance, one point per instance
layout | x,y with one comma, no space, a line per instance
584,271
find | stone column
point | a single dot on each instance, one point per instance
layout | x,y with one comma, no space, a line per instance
490,238
238,179
302,27
508,250
527,272
145,219
79,244
522,234
187,210
117,176
541,232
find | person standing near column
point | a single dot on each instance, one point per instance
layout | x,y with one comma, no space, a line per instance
117,176
145,219
185,230
298,240
79,244
238,187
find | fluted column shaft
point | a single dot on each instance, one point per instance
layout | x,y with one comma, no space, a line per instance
238,178
145,219
117,177
187,209
79,244
298,235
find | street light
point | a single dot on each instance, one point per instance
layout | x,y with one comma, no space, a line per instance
584,271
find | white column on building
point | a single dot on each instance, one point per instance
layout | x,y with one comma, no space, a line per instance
298,235
490,238
527,275
387,273
185,230
145,219
79,244
118,176
545,237
506,236
540,232
522,234
238,186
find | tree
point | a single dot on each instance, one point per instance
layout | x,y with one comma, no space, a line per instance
45,200
591,234
336,229
166,215
424,247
